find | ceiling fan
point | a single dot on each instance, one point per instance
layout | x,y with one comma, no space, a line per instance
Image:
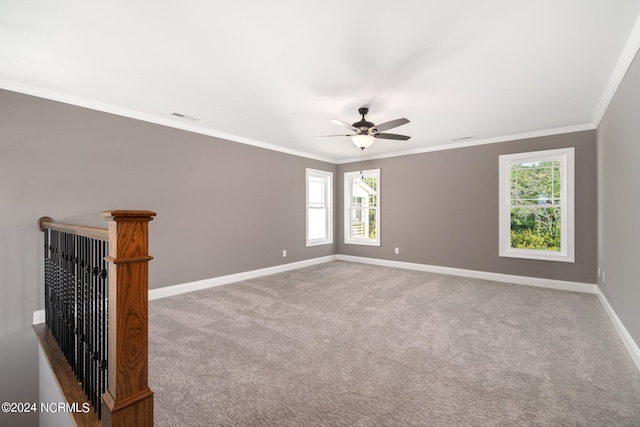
367,132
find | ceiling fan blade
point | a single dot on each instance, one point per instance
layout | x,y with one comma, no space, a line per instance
329,136
345,124
392,136
391,124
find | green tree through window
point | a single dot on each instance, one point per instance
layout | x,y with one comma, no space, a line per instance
535,206
372,182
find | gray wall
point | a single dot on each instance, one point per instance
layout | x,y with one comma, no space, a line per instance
441,208
222,207
619,201
18,374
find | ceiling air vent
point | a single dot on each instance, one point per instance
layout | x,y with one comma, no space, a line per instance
461,138
184,116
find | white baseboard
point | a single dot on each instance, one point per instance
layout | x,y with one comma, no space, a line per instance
497,277
632,347
231,278
39,317
629,343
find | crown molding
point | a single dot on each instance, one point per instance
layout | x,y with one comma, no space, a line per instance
124,112
624,62
111,109
474,142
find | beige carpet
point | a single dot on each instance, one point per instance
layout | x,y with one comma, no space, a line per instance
345,344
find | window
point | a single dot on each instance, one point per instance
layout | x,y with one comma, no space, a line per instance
319,209
362,207
537,205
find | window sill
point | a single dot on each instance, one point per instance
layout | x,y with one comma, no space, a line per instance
362,243
538,255
319,243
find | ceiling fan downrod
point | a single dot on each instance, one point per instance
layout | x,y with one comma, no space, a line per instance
363,126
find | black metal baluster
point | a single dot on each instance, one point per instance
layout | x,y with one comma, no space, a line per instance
78,316
87,314
67,297
56,296
64,289
94,328
105,304
53,280
96,324
101,328
90,333
80,310
76,306
60,291
100,303
73,300
100,331
105,320
47,278
61,295
71,285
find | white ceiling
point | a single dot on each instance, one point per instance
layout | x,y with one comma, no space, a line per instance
272,73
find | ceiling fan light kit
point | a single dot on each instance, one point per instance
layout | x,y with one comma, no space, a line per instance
363,140
367,132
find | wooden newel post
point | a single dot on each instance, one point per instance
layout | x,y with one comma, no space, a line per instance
128,400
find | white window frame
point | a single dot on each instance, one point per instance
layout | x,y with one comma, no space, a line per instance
567,183
348,179
327,178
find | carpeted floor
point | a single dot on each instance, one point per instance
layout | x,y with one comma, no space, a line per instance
345,344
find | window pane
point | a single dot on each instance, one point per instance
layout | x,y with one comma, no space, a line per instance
535,183
372,223
317,224
363,223
535,228
357,229
358,225
371,184
363,192
556,183
316,192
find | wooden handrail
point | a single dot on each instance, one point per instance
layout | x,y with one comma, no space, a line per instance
46,222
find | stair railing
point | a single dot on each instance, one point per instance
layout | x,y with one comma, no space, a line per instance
96,310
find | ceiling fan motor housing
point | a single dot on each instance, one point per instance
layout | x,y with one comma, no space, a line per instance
363,126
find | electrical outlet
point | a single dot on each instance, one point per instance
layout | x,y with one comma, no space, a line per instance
397,250
284,253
